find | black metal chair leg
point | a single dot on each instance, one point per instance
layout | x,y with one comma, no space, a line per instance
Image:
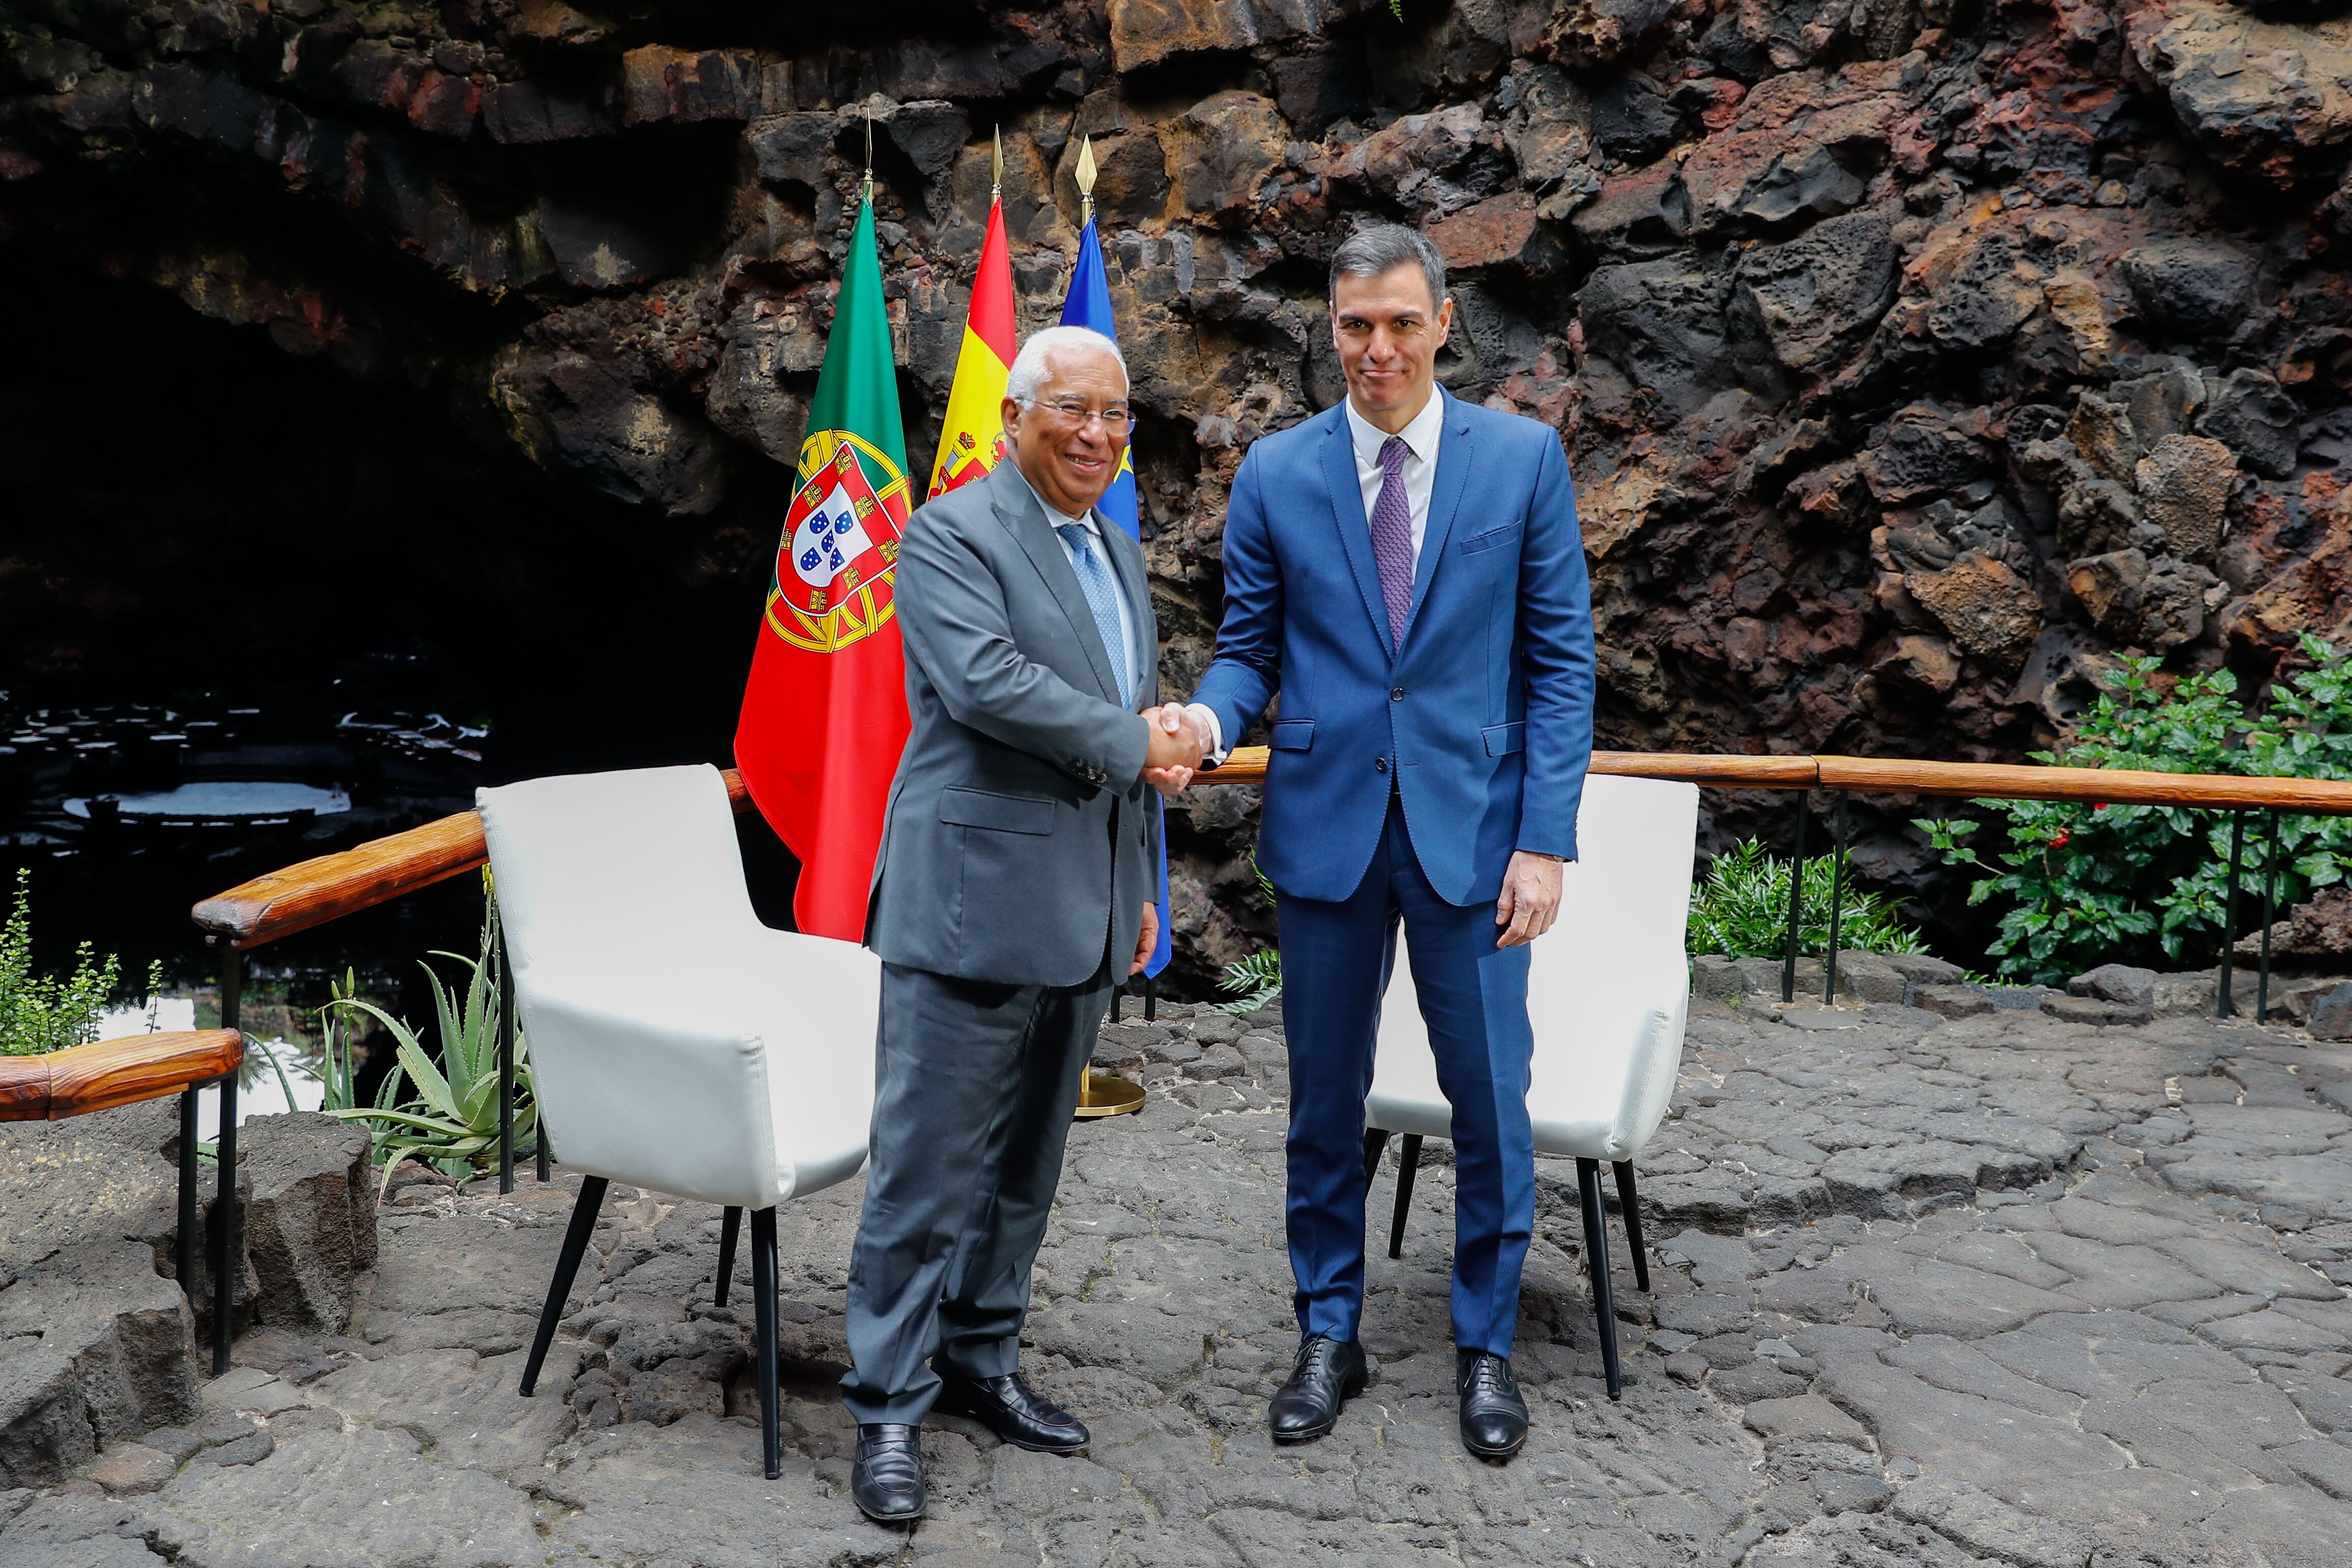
1629,1201
730,1224
763,1287
225,1252
1375,1140
1596,1261
567,1266
1408,1162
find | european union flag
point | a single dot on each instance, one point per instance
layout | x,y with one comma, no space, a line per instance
1089,305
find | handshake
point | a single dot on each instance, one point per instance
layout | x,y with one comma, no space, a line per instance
1175,749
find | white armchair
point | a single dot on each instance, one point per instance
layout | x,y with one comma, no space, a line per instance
1607,994
675,1042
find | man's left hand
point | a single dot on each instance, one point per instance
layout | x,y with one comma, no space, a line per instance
1149,937
1530,899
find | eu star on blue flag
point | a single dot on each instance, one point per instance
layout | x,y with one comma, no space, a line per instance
1089,305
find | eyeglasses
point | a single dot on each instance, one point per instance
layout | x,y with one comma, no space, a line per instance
1115,418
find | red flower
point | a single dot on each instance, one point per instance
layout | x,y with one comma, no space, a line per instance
2065,836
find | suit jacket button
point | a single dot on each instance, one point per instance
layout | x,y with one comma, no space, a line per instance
1380,765
1396,694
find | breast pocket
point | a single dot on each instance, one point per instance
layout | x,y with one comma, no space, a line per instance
1001,812
1493,539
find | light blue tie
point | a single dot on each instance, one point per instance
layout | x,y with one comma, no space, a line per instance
1102,598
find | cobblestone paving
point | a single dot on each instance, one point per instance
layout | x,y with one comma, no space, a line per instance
2005,1290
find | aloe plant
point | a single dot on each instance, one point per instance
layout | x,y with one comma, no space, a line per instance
451,1120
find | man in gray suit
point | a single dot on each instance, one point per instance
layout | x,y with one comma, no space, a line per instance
1013,890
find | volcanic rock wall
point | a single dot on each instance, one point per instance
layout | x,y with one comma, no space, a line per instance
1914,357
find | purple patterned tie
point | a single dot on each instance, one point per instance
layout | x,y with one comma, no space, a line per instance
1393,536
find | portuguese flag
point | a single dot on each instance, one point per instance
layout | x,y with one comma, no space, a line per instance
825,713
972,442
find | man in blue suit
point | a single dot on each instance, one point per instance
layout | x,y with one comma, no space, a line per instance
1406,570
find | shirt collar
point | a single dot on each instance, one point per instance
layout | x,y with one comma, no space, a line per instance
1054,518
1420,436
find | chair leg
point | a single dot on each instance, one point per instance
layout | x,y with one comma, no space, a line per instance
1596,1259
1375,1140
1631,1203
1408,1162
763,1287
729,1225
567,1266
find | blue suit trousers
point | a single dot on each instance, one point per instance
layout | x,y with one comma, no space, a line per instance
1336,961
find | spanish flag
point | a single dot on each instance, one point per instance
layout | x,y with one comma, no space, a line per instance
972,439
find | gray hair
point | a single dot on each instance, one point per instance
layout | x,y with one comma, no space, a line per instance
1382,247
1027,377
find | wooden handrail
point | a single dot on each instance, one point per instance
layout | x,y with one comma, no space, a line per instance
107,1073
332,886
1247,765
312,892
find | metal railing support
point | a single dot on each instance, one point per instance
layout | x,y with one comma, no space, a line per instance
186,1250
1837,905
2270,913
2225,1005
1796,905
505,1000
225,1249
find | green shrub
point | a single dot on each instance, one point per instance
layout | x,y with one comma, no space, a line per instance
40,1014
2081,884
1740,909
1257,979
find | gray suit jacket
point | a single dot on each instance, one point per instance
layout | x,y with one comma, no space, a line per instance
1021,844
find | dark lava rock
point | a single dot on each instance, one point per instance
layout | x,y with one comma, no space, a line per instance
1782,276
2118,983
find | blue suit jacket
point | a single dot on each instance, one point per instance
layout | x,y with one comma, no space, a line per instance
1482,718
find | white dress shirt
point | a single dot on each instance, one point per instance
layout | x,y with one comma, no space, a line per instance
1420,478
1092,523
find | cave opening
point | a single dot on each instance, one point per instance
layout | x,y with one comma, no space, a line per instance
222,560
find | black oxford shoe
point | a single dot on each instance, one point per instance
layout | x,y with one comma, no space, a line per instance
1013,1411
1494,1416
1329,1374
886,1476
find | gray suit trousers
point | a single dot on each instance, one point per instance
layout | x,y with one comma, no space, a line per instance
974,1087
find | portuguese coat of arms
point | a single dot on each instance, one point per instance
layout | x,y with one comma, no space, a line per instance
832,584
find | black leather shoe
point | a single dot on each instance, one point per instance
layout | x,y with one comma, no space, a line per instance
886,1476
1494,1416
1329,1374
1013,1411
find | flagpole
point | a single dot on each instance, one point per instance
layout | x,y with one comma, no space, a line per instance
1101,1093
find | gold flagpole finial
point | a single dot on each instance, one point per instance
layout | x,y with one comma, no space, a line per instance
996,167
1086,176
869,154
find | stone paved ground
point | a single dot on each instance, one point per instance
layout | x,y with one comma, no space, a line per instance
2005,1290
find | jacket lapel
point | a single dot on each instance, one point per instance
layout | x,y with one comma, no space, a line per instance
1339,452
1454,461
1024,516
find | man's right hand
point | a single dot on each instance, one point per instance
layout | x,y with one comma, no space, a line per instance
1175,750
